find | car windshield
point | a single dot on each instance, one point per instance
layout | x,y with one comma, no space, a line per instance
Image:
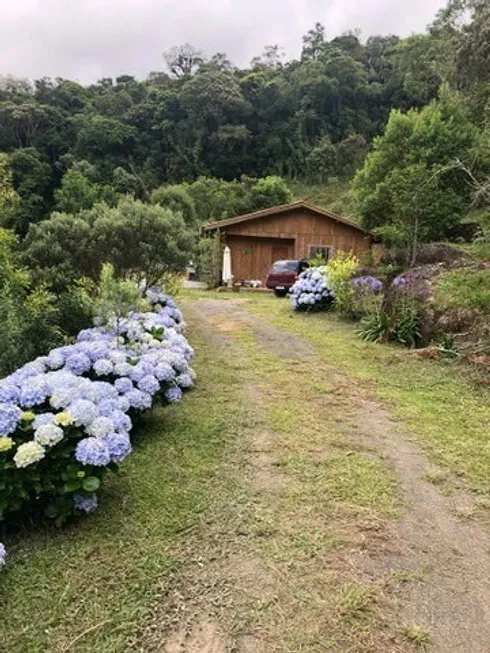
282,266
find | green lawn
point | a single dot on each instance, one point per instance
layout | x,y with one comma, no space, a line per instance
449,413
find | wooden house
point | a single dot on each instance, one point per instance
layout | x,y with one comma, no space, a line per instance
289,231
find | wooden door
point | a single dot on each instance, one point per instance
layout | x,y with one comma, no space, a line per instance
279,254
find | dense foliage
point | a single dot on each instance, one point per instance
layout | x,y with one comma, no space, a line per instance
65,418
134,237
70,146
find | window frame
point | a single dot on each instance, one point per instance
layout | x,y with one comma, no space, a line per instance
326,250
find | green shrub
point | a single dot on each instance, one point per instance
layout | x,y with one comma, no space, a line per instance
407,322
30,316
340,269
375,326
398,320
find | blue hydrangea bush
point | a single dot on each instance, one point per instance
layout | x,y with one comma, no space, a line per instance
311,290
66,418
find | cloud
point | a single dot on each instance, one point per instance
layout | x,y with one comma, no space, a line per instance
89,39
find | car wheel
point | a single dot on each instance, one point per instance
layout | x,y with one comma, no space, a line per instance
280,293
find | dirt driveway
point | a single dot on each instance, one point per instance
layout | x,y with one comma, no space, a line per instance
336,537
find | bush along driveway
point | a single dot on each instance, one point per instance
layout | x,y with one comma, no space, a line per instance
314,493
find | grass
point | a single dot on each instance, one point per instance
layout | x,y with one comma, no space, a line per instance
104,572
416,634
466,288
449,413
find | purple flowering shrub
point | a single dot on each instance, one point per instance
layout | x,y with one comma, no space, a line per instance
397,319
66,418
367,296
367,284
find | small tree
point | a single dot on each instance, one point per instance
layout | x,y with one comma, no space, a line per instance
117,297
406,189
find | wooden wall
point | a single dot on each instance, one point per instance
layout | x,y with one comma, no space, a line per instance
306,228
252,257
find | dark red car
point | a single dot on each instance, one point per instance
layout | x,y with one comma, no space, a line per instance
283,274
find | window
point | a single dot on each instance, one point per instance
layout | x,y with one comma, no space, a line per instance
280,266
319,250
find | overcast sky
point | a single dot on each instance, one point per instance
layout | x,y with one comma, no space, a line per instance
90,39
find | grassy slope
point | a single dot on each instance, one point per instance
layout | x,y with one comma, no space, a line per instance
104,571
467,288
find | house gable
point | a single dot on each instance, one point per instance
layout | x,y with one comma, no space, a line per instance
296,208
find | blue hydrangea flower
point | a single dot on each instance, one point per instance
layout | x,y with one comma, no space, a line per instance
10,415
122,369
117,356
103,367
139,399
123,385
185,381
119,446
149,384
78,363
9,392
107,406
35,367
173,394
85,335
63,396
164,372
121,421
140,370
310,289
42,419
178,363
123,403
3,555
93,451
56,358
97,350
85,503
83,412
103,390
33,391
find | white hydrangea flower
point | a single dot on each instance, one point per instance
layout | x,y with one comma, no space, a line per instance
100,427
28,454
117,356
103,367
122,369
48,435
